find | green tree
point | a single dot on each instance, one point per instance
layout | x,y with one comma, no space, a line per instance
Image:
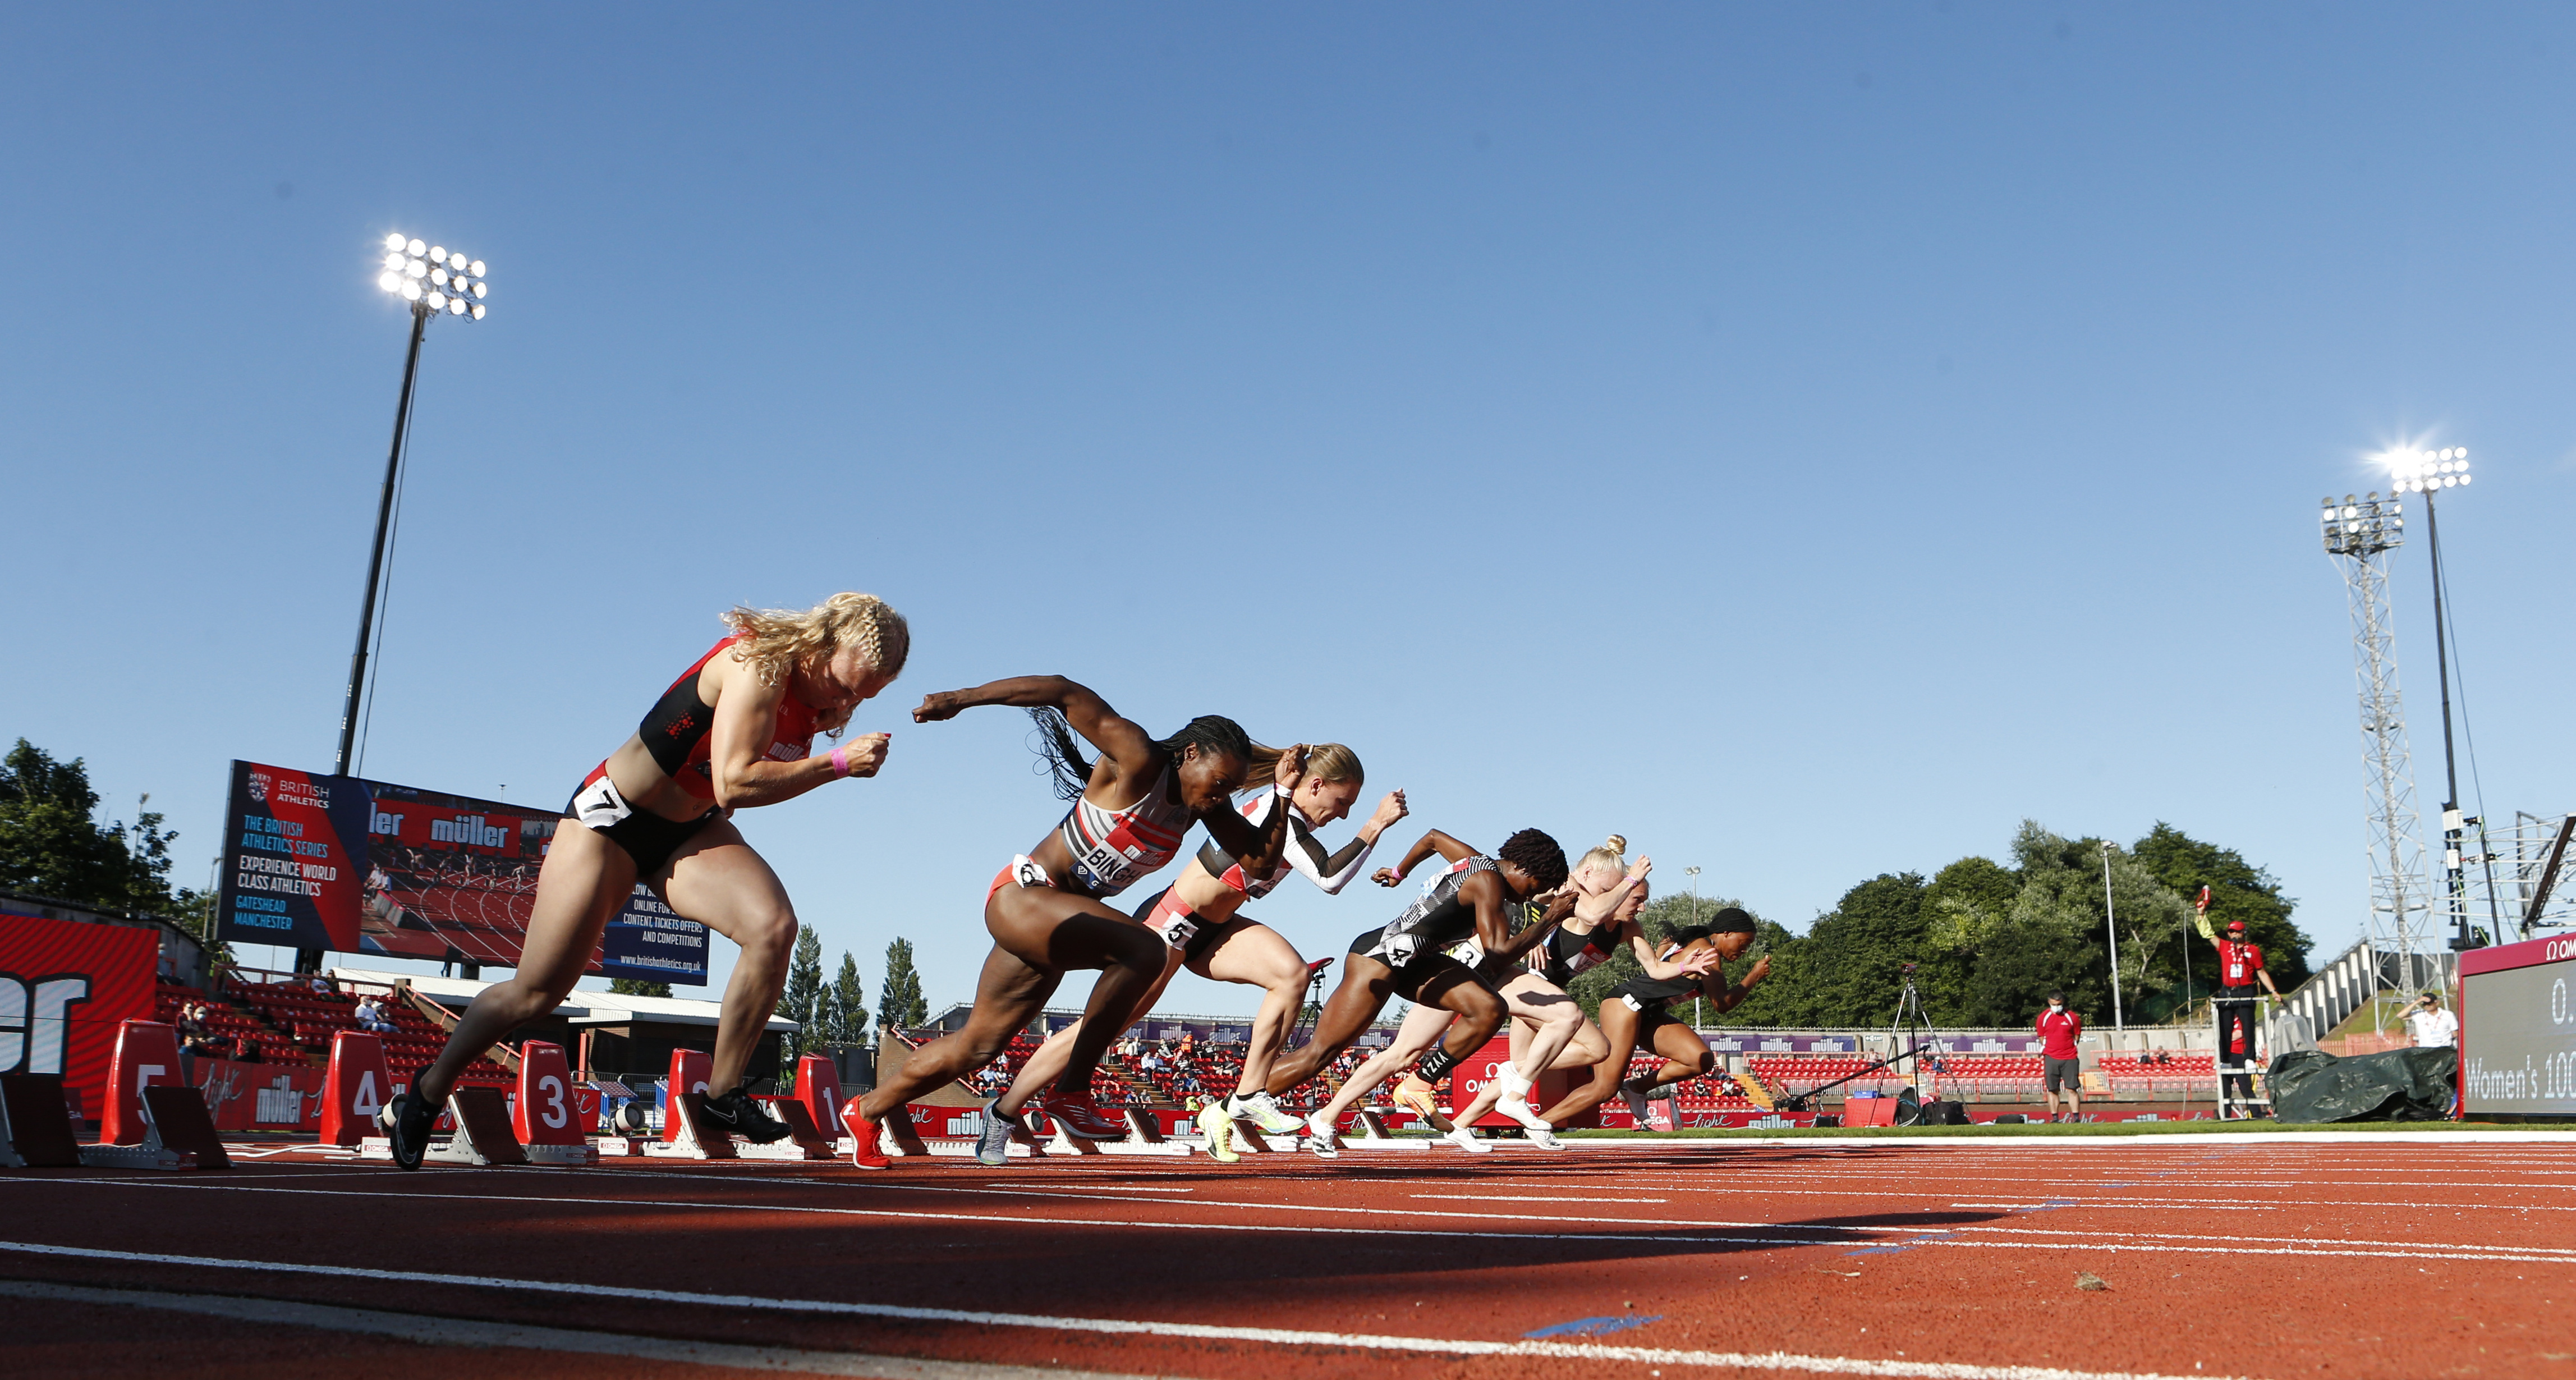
51,844
849,1004
804,986
2238,890
638,987
899,996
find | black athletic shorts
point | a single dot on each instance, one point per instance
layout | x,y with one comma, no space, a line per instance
1651,1017
647,837
1410,979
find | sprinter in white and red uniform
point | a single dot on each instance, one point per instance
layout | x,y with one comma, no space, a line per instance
1047,910
736,730
1200,919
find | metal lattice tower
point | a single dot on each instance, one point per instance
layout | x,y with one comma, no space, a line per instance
2360,532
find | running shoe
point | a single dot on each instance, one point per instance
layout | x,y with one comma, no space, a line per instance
1266,1114
1516,1105
993,1147
1637,1107
1081,1116
1543,1136
863,1138
1465,1138
1319,1137
408,1121
1421,1099
736,1114
1220,1132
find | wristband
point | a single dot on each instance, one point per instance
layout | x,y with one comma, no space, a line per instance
840,761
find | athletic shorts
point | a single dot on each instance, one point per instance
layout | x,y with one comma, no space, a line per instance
1651,1017
2064,1075
647,837
1181,927
1410,979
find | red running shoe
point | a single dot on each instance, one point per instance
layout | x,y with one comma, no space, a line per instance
1080,1115
863,1138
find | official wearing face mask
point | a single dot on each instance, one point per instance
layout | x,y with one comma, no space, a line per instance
2059,1029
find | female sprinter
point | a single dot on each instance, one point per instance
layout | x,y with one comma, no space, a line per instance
1045,909
1470,898
1636,1017
1607,883
1200,921
734,731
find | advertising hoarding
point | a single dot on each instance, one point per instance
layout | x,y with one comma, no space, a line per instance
65,987
372,867
2518,1029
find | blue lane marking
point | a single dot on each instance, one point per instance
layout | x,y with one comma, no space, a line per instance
1594,1327
1903,1246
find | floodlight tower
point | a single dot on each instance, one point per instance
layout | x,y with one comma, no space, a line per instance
436,281
2428,473
2360,532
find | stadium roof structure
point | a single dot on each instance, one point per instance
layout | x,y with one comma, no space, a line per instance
581,1008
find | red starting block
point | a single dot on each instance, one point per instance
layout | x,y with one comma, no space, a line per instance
689,1070
356,1088
147,1054
547,1114
818,1090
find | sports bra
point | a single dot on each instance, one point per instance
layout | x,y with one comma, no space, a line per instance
676,731
1302,854
1652,991
1569,953
1113,848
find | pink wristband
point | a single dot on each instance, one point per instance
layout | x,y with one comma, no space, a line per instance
840,761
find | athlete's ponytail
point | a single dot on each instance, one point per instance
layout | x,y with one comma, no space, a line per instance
1060,748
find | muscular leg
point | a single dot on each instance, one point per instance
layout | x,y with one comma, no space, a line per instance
1588,1047
1422,1028
1257,955
1551,1020
1048,1062
718,880
1619,1040
583,881
1366,984
1058,931
1007,994
1686,1055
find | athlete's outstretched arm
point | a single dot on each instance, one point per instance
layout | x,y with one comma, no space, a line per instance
738,763
1123,739
1258,849
1334,872
1423,847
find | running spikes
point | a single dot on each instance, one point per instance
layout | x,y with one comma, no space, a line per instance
864,1153
408,1121
1514,1103
1465,1138
736,1114
1543,1136
993,1146
1423,1100
1319,1137
1266,1114
1080,1116
1637,1106
1219,1128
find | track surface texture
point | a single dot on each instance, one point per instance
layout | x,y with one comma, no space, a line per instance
2219,1257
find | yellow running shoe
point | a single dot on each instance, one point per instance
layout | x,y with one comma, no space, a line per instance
1220,1132
1422,1100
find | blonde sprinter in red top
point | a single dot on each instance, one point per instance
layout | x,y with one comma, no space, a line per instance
735,731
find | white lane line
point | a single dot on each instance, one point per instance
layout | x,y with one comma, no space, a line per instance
1277,1336
464,1332
1100,1188
1525,1198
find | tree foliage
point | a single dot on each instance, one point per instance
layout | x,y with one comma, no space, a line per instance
849,1004
804,986
899,997
638,987
52,845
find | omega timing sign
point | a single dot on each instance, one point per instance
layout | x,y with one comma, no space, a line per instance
2518,1029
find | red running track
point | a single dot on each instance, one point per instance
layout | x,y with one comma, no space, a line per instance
2222,1257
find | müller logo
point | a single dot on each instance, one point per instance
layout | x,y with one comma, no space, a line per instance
469,830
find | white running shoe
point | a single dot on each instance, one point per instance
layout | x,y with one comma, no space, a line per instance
1516,1105
1319,1137
1266,1114
1464,1137
1543,1136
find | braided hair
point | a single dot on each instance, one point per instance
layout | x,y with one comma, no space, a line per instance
1533,852
1060,748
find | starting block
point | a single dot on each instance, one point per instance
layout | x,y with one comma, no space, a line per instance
177,1134
1143,1138
1373,1135
482,1137
146,1054
545,1117
685,1132
36,1123
804,1138
355,1088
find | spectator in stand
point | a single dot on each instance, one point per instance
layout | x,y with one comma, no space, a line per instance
321,986
371,1017
2432,1027
2063,1063
2240,968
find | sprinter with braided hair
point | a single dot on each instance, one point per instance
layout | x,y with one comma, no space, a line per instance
736,730
1047,910
1470,899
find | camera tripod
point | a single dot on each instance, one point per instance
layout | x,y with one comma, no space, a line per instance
1912,1028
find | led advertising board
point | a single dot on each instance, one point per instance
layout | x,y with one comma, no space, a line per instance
2518,1029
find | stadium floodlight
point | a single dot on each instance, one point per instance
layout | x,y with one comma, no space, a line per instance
2428,472
432,280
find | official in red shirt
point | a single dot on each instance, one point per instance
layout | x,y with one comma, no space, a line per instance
2240,970
2058,1030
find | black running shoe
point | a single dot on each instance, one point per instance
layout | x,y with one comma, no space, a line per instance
736,1114
408,1121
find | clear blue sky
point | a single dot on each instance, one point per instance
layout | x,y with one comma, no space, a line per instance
1807,442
